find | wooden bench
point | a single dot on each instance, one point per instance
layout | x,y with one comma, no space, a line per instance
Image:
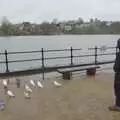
67,72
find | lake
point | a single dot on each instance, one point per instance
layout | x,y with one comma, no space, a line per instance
31,43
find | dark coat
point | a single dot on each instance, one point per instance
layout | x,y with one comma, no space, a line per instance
116,66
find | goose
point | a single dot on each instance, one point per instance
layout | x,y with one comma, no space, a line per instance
27,95
55,83
10,93
32,83
28,89
39,84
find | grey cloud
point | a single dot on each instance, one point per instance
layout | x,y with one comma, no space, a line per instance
39,10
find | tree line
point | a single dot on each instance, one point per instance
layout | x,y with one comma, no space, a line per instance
79,26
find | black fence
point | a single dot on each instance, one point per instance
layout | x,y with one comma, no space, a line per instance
71,56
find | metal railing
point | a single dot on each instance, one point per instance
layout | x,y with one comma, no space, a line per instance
71,56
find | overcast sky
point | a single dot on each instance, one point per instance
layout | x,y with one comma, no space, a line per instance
40,10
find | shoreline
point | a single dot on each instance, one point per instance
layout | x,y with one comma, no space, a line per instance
59,35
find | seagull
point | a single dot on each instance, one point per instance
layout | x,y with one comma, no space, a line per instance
55,83
5,82
28,89
10,93
39,84
32,83
27,95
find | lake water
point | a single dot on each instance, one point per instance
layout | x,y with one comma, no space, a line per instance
31,43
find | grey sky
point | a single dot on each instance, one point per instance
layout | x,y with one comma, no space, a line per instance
40,10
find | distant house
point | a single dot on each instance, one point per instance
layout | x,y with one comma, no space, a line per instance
84,25
61,25
67,27
25,26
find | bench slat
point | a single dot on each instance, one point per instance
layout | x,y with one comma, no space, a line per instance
73,69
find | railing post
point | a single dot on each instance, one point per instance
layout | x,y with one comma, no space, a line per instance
96,55
42,52
71,50
6,61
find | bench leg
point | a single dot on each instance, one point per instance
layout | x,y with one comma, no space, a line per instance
67,75
91,72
